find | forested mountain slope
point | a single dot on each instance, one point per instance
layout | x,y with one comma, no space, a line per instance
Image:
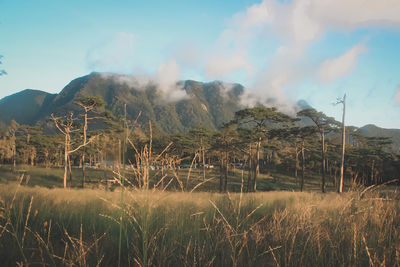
205,104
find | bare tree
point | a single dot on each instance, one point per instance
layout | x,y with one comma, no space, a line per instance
67,126
342,101
88,104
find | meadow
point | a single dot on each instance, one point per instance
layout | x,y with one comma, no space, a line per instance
50,226
190,178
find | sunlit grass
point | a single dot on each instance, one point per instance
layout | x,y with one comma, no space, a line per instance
164,228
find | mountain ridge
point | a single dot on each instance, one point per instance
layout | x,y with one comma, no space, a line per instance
210,104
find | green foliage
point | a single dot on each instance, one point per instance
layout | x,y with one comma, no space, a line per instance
257,139
94,102
323,122
260,116
208,104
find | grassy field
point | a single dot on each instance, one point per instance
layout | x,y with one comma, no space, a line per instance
80,227
53,178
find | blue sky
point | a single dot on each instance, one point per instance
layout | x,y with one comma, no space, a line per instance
315,50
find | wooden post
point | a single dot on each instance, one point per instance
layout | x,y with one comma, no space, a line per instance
323,167
302,167
340,189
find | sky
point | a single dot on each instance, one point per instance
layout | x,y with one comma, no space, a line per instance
281,51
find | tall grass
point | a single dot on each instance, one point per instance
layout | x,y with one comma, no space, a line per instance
40,226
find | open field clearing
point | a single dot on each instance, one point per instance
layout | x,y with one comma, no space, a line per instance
200,133
52,178
75,227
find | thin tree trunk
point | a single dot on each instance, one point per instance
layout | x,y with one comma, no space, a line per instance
343,147
302,167
254,183
65,161
373,172
221,179
323,161
249,170
70,171
32,157
203,159
226,171
14,152
297,162
84,150
119,153
257,165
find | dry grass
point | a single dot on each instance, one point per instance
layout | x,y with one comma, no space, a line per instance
40,226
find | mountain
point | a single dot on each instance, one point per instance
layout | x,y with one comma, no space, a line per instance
371,130
25,107
206,104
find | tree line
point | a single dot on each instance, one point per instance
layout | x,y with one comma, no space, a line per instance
258,140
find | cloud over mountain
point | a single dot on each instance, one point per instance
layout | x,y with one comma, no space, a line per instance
268,45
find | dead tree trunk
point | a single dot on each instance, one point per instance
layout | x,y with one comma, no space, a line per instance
343,147
70,170
302,167
250,167
66,128
84,149
226,169
65,160
203,159
323,161
296,162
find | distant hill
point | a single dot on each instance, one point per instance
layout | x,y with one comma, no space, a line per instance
25,107
371,130
208,104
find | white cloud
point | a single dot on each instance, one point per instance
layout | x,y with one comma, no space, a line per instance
298,23
168,74
343,14
396,97
302,21
256,15
334,68
139,82
166,81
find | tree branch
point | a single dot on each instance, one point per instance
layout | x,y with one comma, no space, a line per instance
82,145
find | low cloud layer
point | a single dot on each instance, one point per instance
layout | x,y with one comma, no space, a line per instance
168,74
165,80
117,55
